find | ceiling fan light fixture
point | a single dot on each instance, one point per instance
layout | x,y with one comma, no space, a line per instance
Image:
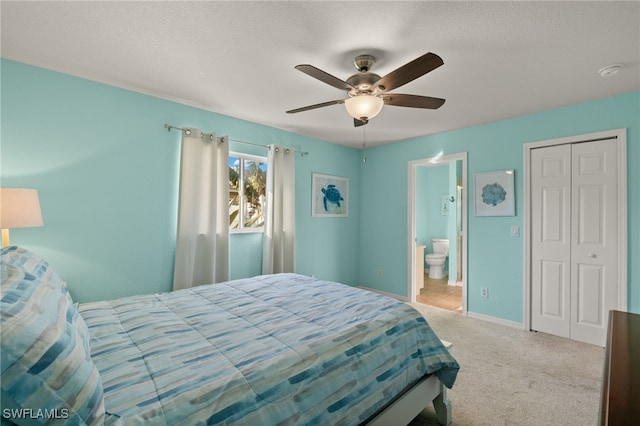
368,92
363,107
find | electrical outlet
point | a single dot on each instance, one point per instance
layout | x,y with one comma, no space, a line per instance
484,292
515,231
379,273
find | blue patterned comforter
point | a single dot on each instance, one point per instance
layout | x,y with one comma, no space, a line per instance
270,350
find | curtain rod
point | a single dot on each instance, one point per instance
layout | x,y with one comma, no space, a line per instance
187,131
169,127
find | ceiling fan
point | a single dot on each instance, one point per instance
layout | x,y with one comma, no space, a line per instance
368,92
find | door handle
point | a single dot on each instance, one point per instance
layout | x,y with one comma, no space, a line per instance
592,255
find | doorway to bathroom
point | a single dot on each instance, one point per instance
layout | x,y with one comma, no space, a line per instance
438,293
438,214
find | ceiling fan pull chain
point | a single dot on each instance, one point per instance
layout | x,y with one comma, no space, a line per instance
364,143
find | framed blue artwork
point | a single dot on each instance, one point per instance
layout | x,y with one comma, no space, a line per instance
494,193
329,196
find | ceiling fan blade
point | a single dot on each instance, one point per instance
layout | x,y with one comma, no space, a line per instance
358,123
324,104
410,71
412,101
324,77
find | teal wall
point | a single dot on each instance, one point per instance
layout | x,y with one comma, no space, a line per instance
107,173
495,258
246,258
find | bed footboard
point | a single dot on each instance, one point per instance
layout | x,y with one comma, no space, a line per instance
442,405
412,402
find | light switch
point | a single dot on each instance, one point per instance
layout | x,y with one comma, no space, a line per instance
515,231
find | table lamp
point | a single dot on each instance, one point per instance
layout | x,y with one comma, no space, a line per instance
19,208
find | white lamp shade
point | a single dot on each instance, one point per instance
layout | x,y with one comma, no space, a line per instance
19,208
363,106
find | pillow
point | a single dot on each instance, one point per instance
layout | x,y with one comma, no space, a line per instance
32,264
46,363
26,260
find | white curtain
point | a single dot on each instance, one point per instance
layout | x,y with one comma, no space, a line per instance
202,243
278,253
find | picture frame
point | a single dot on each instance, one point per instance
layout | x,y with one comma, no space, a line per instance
329,196
494,193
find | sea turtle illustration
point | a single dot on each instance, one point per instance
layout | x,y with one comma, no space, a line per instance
332,195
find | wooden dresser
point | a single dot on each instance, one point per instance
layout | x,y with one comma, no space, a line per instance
620,394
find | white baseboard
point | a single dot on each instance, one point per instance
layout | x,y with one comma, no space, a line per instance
487,318
475,315
395,296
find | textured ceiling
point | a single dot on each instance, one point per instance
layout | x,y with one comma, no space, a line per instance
501,59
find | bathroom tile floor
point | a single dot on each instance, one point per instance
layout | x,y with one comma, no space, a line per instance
439,293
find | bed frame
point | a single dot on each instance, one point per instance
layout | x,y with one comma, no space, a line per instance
411,403
400,412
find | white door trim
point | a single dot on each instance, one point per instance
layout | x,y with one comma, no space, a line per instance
411,235
621,136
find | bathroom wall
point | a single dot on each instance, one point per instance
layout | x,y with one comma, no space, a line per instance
452,231
432,183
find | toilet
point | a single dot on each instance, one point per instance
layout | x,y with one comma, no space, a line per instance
437,259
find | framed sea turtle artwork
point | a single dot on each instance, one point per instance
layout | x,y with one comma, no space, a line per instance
329,196
494,193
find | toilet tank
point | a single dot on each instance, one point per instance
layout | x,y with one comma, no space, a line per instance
440,246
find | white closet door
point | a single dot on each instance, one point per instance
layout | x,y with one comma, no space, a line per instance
551,240
574,240
594,248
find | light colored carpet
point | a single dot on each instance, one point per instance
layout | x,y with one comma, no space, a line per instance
515,377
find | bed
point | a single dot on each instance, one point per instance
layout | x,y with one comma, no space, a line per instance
281,349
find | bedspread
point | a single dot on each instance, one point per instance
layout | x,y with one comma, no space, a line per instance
269,350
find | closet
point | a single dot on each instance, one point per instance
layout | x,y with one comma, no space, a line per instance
575,238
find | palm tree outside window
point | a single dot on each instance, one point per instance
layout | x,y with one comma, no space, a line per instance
247,192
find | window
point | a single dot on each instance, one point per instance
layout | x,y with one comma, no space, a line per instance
247,192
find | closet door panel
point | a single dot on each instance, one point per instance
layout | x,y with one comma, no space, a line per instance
594,246
551,240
